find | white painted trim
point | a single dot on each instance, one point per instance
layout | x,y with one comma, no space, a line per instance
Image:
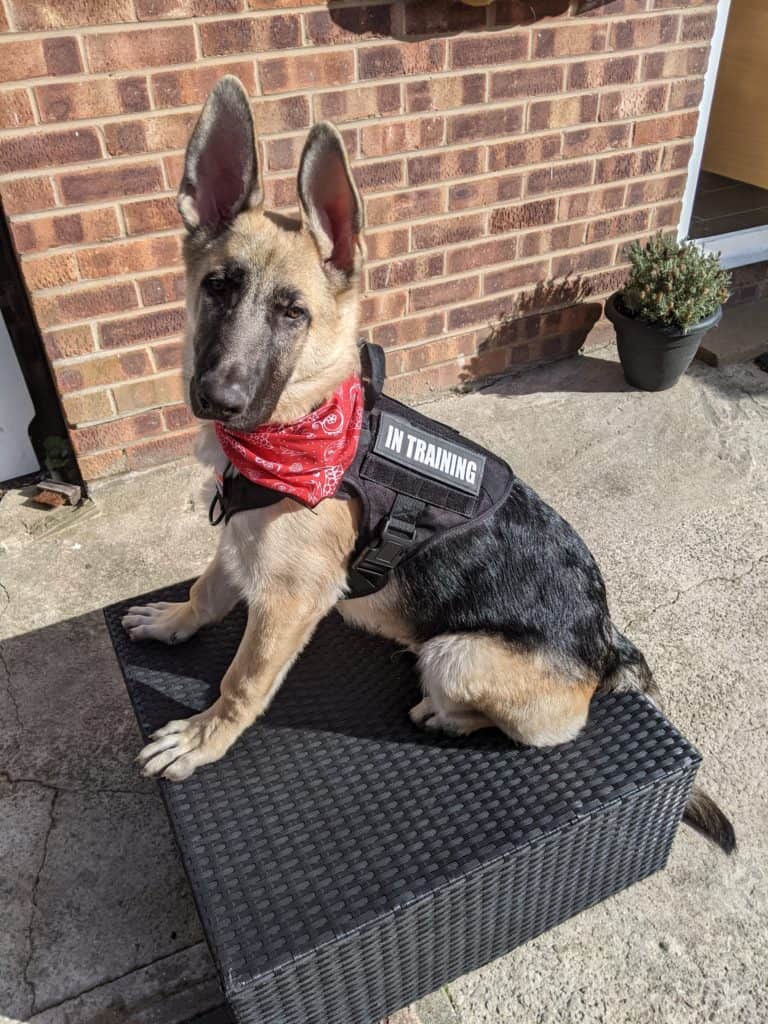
694,167
738,248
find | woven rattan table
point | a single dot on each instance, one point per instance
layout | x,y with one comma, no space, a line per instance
345,863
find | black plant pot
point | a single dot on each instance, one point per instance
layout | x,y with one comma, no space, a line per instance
655,358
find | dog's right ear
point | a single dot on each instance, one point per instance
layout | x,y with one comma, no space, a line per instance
221,174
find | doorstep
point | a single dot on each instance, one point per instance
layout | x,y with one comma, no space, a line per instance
742,335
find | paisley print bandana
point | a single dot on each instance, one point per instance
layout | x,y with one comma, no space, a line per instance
306,459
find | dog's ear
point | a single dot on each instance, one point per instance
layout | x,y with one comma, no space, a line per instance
329,199
221,174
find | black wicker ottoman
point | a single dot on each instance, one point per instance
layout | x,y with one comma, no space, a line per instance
345,863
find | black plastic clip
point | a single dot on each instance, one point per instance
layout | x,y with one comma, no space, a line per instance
370,570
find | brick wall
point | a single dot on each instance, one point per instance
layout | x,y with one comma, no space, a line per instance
506,155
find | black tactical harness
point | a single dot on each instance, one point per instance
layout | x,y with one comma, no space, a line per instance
415,479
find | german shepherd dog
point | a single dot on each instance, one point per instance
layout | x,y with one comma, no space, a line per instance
509,623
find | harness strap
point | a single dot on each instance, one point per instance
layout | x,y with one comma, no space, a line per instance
370,571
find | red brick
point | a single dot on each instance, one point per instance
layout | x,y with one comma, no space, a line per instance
142,328
178,417
478,313
310,71
129,257
516,276
50,271
485,192
537,81
249,35
524,152
406,332
21,59
632,102
525,215
27,195
624,166
4,25
569,40
30,15
284,114
427,356
634,222
507,120
100,370
588,204
676,156
586,259
381,245
585,141
454,163
493,50
686,94
376,177
395,59
641,33
553,179
149,134
94,405
95,467
483,254
68,342
190,86
151,215
358,104
151,10
448,231
675,63
152,453
445,93
167,389
698,27
15,109
564,236
403,206
676,126
593,74
562,113
347,25
401,136
84,304
140,48
168,356
388,306
162,289
442,293
45,149
117,432
429,17
656,190
280,193
111,183
97,97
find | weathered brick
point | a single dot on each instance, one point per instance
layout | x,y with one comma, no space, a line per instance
593,74
145,327
358,104
477,313
95,467
624,166
656,190
129,257
452,163
676,156
280,193
560,176
111,183
634,222
698,27
151,215
685,94
535,81
190,86
524,152
149,134
117,432
483,254
667,216
381,245
15,109
661,129
140,48
591,203
499,188
634,101
445,93
167,389
507,120
427,356
101,370
310,71
347,25
448,231
33,150
387,306
408,331
21,59
83,304
585,141
249,35
50,271
395,59
564,236
517,276
86,408
151,10
569,40
168,356
283,114
96,97
401,136
403,206
152,453
481,51
178,417
31,15
586,259
563,113
524,215
27,195
376,177
442,293
68,342
675,63
4,23
640,33
162,289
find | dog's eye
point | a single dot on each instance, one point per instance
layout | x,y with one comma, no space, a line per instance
215,284
293,312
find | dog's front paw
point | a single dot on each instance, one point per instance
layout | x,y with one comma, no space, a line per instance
185,744
167,621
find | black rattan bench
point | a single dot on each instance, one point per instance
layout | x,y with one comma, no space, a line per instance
345,863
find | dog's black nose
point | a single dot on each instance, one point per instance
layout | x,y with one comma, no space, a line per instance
218,398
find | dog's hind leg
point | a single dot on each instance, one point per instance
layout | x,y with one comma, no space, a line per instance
172,622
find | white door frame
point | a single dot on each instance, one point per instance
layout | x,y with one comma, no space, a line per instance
737,248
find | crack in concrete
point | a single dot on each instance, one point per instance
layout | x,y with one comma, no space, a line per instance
57,788
695,586
7,671
31,985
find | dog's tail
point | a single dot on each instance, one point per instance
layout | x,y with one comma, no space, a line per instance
628,670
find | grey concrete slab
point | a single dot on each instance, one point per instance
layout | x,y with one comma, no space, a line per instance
741,335
669,490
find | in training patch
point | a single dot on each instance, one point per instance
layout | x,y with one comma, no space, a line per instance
429,455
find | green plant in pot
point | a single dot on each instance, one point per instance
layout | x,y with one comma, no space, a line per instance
673,296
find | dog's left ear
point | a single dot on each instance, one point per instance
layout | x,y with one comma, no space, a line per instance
329,199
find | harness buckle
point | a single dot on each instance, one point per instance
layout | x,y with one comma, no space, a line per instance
369,571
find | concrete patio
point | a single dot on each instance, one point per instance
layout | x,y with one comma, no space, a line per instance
669,490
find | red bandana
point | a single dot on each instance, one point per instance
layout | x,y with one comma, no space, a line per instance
305,459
